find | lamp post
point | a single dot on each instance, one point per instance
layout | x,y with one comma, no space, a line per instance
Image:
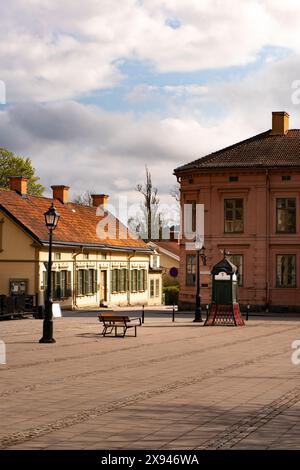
200,250
51,220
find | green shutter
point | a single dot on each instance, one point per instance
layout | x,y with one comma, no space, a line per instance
131,280
114,280
68,284
79,282
145,279
95,281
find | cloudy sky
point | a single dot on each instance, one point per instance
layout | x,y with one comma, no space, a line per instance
97,89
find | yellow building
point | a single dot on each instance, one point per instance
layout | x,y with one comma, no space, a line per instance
168,252
96,260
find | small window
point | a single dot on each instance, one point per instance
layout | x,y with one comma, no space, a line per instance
190,270
233,215
233,178
156,287
286,215
85,256
286,178
152,288
57,256
286,271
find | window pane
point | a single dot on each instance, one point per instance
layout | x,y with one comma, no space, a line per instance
286,215
233,215
152,288
190,270
286,271
157,288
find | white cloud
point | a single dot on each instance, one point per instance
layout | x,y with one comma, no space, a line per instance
88,148
53,50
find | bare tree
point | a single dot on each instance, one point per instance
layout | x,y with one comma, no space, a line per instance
175,192
83,199
148,222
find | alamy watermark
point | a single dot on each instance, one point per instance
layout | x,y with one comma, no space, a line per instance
2,92
2,352
151,223
295,358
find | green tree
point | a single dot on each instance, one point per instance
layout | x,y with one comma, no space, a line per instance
13,165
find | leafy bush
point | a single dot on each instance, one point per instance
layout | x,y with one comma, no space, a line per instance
171,294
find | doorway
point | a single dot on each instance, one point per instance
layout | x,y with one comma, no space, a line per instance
103,287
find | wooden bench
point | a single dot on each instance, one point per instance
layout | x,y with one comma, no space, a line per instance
112,322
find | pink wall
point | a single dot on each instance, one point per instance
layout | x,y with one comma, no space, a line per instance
259,242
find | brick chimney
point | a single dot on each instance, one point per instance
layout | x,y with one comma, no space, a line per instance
100,200
18,184
61,193
280,122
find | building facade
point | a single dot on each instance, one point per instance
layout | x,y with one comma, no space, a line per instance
251,197
96,260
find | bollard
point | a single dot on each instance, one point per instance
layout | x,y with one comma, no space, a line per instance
143,314
207,311
173,314
248,309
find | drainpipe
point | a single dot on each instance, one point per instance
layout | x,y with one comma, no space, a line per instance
129,276
74,256
267,239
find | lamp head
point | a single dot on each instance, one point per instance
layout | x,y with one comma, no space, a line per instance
198,243
51,217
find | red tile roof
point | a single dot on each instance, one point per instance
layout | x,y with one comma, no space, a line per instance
77,224
262,150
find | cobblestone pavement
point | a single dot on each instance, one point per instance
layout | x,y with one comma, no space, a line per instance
176,386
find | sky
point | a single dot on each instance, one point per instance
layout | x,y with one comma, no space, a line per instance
96,90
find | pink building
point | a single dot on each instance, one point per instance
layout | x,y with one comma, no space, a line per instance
251,197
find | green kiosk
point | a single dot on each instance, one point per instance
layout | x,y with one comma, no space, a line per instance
225,308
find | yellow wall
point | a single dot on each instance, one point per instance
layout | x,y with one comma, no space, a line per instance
17,256
22,258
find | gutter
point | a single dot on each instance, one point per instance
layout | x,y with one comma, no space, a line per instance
59,244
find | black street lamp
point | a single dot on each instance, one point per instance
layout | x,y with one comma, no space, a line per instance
51,220
200,250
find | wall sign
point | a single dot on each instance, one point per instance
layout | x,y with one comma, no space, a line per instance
222,276
174,272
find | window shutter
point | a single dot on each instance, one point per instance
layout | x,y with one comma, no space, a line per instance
114,280
68,286
145,279
56,285
131,280
95,280
142,280
79,282
86,281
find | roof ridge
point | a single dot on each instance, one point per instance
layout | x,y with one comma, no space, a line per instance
229,147
264,150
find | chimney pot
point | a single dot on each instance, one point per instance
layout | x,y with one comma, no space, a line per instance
18,184
61,193
100,200
280,122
